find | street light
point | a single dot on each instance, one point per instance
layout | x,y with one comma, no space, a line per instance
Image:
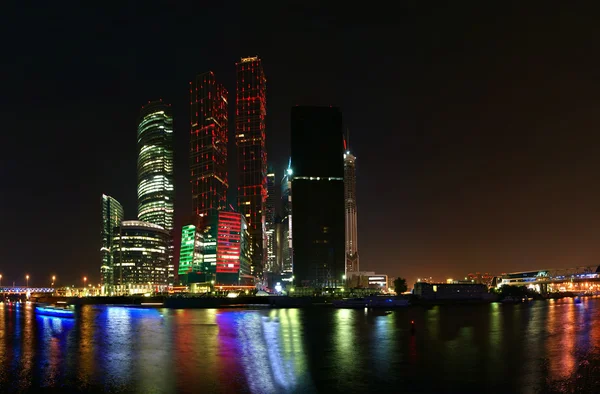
53,279
27,278
0,280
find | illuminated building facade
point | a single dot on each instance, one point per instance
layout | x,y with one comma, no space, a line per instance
318,224
112,216
271,263
156,193
140,257
216,249
352,264
285,250
250,138
208,144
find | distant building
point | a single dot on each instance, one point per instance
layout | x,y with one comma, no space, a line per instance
284,243
481,278
271,236
215,249
156,192
318,224
250,139
367,280
352,263
112,216
453,291
208,144
140,257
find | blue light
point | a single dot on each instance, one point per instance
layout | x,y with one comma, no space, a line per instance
55,312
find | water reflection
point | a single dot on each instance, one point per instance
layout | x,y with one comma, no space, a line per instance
268,347
115,349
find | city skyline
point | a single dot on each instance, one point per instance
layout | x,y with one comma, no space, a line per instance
469,160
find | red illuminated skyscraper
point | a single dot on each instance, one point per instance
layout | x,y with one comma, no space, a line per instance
251,110
208,144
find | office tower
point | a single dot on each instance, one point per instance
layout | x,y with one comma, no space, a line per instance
285,255
215,250
350,206
318,191
271,263
251,110
156,194
140,254
208,144
112,216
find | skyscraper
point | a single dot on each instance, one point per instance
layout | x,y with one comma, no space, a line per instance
271,264
208,144
156,194
285,243
112,216
350,205
140,254
251,110
214,250
318,196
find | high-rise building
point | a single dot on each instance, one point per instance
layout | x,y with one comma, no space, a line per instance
208,144
251,111
318,190
284,245
112,216
156,194
352,264
271,263
140,254
215,248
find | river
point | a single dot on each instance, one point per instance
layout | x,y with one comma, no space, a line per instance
453,348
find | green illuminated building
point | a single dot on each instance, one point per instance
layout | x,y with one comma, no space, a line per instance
215,248
156,192
112,216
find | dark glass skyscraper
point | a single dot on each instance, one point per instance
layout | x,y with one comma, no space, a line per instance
112,216
156,194
251,111
208,144
318,196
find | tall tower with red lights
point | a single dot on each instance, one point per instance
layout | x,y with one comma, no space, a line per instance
208,145
251,111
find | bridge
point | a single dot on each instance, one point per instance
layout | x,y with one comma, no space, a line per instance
24,290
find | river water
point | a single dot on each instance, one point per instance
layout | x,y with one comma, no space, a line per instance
453,348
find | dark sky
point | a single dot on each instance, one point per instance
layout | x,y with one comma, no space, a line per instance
476,130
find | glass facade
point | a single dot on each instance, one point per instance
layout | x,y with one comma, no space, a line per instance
216,248
318,224
156,192
140,256
250,138
270,236
285,250
208,144
112,216
350,206
198,255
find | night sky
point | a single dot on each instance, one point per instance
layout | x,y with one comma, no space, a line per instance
476,131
